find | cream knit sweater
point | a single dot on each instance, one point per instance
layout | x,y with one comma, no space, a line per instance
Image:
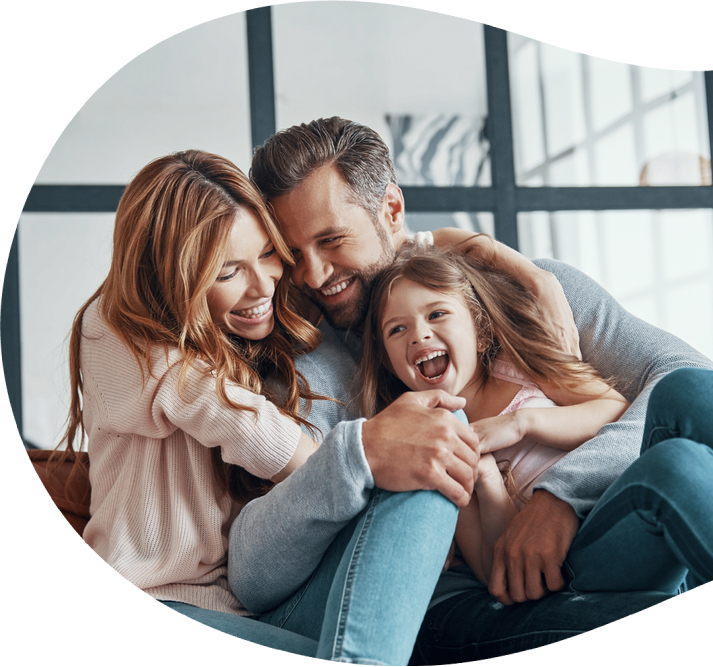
155,515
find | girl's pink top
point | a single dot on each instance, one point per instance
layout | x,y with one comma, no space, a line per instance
528,459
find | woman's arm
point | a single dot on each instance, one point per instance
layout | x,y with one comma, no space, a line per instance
305,448
486,517
557,315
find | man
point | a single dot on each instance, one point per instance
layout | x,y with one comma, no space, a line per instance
333,190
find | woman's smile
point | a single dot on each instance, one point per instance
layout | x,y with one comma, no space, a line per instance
240,301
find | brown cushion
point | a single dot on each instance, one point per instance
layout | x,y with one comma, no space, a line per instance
69,491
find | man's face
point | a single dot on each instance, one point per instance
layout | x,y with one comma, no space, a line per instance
338,248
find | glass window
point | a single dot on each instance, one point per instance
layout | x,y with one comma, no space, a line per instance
584,121
416,77
63,259
189,91
657,264
473,222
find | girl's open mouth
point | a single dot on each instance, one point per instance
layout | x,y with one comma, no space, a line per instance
433,365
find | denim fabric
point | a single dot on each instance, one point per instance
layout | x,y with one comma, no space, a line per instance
366,600
655,523
634,353
278,540
475,626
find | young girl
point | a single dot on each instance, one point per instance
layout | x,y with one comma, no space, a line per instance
168,361
445,320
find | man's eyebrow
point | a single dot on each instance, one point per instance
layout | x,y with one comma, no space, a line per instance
331,231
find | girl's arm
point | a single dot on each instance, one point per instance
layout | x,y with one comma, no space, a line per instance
577,418
557,315
485,519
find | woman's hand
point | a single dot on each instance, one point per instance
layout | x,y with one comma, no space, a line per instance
499,432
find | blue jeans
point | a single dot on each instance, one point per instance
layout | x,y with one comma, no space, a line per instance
648,534
653,528
365,602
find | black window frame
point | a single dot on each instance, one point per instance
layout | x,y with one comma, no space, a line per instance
504,198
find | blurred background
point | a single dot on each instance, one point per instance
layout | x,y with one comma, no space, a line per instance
603,165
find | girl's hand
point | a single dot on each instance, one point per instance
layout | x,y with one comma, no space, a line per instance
498,432
487,469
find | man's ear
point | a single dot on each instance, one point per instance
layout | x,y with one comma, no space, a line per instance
394,208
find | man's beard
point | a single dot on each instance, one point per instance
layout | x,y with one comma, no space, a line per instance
351,315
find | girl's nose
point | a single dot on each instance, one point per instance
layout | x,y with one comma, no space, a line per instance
420,334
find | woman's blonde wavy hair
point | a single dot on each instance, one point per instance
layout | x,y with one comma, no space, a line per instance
172,226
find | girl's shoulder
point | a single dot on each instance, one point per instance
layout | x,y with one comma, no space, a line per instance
530,394
504,370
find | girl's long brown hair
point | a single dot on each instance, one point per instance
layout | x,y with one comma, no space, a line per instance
172,225
504,313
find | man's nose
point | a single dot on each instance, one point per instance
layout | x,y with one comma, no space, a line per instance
312,271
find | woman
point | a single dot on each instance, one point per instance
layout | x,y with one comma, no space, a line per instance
168,360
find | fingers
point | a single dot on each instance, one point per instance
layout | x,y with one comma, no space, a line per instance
435,398
498,585
553,578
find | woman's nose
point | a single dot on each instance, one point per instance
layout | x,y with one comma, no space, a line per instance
263,282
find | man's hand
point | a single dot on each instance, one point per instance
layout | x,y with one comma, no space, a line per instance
416,443
533,548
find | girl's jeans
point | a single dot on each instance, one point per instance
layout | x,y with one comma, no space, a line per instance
365,602
653,528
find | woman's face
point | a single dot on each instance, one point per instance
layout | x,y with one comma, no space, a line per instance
240,301
430,338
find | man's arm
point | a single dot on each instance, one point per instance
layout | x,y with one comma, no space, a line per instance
277,541
635,355
556,313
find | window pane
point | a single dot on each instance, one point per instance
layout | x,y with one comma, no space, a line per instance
189,91
658,264
416,77
63,259
605,123
473,222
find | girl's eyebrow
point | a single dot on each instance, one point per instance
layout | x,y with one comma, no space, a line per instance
428,306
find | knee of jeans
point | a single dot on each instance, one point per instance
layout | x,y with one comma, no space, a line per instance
678,391
675,461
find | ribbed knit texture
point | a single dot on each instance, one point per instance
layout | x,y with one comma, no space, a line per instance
156,515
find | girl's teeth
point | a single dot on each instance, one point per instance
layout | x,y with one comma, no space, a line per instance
335,289
426,357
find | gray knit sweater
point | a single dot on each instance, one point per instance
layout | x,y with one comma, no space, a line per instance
295,523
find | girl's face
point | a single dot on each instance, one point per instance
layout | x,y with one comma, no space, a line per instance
240,301
430,338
